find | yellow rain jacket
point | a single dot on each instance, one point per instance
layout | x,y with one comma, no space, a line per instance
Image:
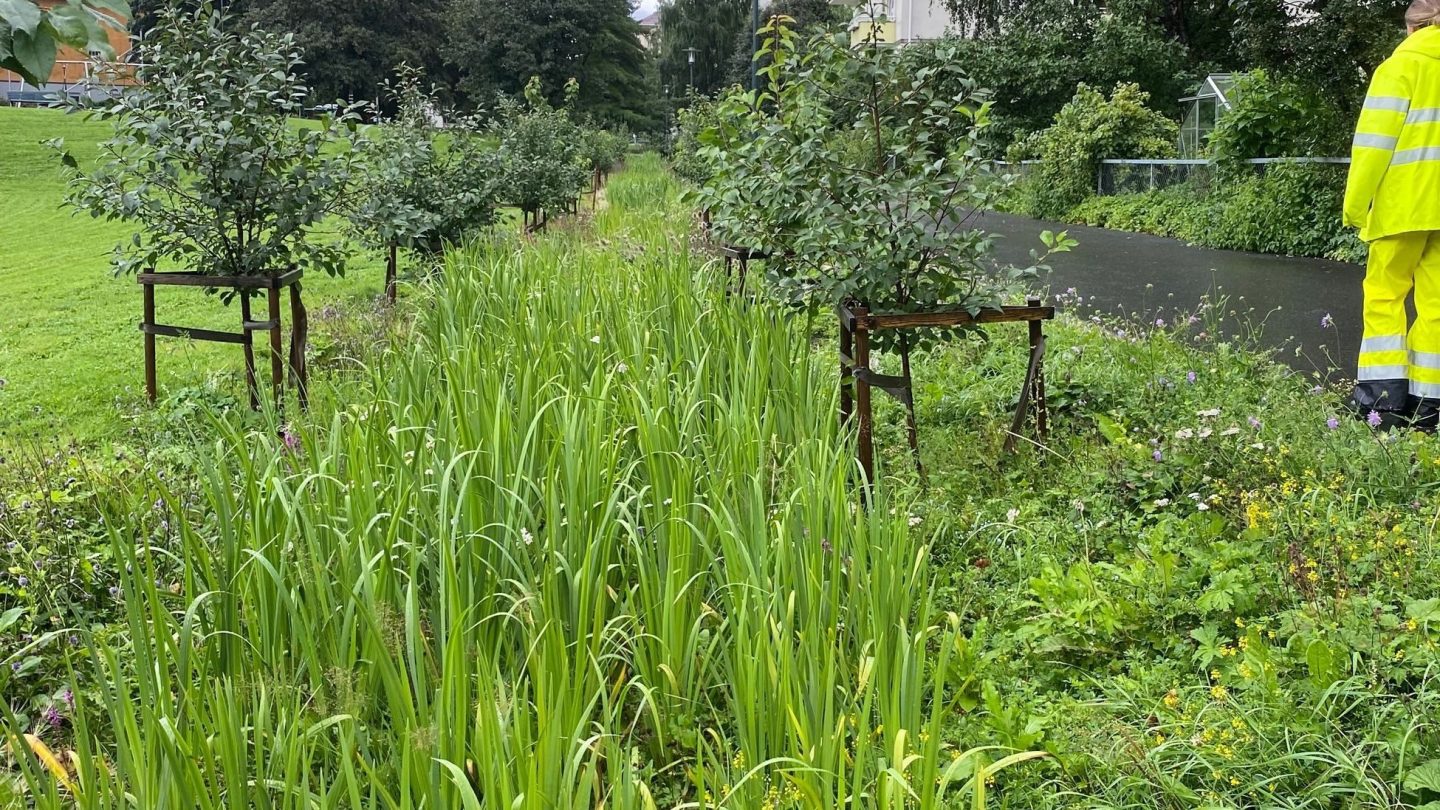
1394,184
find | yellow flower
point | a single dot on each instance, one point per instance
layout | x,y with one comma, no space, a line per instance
1412,625
1172,699
1219,692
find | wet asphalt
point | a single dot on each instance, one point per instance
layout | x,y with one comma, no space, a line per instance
1280,301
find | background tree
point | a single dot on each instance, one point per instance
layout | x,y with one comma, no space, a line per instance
809,15
711,27
497,46
352,48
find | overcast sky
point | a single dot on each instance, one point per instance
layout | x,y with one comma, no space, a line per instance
646,7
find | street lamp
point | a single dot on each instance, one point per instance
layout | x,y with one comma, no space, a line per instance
690,52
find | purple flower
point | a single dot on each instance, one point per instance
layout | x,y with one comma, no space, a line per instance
1191,377
291,439
1332,423
1158,456
1374,419
15,666
1317,390
1327,321
1254,423
68,697
1160,322
22,581
1192,320
52,716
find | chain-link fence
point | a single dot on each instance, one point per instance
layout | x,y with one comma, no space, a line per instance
1136,176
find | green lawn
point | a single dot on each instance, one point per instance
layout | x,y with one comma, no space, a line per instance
70,353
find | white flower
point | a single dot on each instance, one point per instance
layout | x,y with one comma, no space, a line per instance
621,368
1205,433
1203,507
1012,515
526,537
915,520
595,339
1230,431
1210,413
1184,433
1162,502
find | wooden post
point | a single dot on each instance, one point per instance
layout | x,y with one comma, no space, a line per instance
391,271
277,363
299,336
251,385
912,429
744,268
149,317
1037,346
865,447
847,379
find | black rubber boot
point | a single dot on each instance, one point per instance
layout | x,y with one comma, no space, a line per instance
1382,396
1424,414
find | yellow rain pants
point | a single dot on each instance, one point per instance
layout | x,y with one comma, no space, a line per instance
1396,361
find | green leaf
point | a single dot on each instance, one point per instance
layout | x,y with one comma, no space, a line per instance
34,53
8,619
1321,662
1424,777
22,15
76,27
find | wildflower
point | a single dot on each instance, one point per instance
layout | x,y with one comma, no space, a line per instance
1332,423
1160,322
1326,322
1202,506
1212,412
291,439
1319,389
1162,502
1411,625
1192,320
595,340
1012,515
916,520
1219,692
1158,456
526,537
1191,377
621,368
22,581
1374,419
1254,423
68,697
52,716
1172,699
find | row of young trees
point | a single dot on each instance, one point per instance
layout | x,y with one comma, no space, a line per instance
211,166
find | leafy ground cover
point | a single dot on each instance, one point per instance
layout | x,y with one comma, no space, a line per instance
577,528
70,356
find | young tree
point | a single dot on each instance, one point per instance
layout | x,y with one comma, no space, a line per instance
30,35
544,167
206,162
420,187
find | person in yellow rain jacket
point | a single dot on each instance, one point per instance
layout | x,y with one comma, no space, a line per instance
1393,197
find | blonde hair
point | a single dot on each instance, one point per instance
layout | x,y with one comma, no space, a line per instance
1423,13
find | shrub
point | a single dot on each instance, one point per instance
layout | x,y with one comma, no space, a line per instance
205,160
1277,118
685,154
1089,129
604,149
1291,209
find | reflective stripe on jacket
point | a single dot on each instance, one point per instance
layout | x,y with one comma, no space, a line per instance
1394,184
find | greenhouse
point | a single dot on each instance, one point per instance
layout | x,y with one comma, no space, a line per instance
1210,100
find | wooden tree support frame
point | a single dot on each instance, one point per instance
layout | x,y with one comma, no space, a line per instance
392,273
739,256
857,325
245,287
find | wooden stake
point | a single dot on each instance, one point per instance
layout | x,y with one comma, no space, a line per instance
251,385
149,321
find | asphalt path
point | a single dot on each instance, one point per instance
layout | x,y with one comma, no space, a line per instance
1282,302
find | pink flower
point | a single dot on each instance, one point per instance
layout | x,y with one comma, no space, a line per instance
1374,419
1332,423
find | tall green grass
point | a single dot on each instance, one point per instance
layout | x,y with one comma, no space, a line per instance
587,539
